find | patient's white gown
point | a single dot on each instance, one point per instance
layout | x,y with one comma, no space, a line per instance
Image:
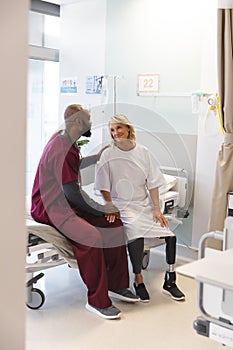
128,175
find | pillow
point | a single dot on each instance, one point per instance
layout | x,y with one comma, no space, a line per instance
170,182
95,195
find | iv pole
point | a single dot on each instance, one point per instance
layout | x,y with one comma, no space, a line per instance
114,94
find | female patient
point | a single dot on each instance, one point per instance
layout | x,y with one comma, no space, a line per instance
128,176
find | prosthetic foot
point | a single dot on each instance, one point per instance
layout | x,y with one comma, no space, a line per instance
170,287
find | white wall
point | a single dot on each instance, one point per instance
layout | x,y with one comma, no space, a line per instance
162,37
82,47
82,55
13,72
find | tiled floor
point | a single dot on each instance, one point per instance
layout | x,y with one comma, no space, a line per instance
63,323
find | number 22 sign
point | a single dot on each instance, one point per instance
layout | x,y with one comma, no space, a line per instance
148,84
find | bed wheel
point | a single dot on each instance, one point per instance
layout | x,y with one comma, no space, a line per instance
145,259
37,299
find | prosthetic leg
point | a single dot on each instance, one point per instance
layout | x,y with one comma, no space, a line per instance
169,286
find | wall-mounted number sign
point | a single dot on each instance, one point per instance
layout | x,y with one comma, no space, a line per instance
148,84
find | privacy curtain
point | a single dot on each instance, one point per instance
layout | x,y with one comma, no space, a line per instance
224,167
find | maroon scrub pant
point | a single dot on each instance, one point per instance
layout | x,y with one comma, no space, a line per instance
100,251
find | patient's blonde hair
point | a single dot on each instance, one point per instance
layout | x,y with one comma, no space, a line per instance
122,119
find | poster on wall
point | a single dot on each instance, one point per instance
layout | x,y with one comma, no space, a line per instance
69,86
94,84
148,84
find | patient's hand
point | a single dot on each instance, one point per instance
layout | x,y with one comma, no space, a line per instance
159,217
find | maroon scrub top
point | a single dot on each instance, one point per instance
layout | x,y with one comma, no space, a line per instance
59,164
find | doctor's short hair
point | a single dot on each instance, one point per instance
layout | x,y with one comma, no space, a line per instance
73,112
122,119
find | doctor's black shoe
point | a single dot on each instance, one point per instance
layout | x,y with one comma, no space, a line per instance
124,295
109,313
170,287
141,291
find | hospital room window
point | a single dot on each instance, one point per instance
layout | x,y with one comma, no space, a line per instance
44,30
42,110
43,83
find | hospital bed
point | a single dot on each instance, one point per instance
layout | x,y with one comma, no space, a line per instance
47,248
213,273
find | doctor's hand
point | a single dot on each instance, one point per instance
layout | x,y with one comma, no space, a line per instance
111,212
159,217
